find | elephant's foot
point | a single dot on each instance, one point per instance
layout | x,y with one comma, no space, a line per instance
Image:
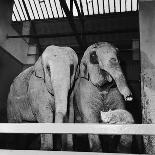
67,142
125,144
95,144
46,142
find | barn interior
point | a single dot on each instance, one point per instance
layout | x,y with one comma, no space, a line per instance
27,27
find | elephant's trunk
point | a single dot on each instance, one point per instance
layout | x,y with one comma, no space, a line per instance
121,83
61,86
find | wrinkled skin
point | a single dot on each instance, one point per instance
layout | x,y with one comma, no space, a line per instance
42,90
100,87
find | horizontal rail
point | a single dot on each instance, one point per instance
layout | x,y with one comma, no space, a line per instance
78,128
33,152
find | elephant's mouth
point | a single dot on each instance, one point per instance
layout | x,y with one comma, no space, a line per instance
104,82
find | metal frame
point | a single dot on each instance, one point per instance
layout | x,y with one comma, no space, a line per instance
56,14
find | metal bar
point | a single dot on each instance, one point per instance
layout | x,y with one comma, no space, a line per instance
41,9
18,11
72,23
114,6
137,4
81,6
56,8
87,7
109,6
98,7
92,6
103,7
120,6
46,9
78,10
62,12
55,35
125,5
31,9
22,9
131,5
71,5
36,8
15,16
51,8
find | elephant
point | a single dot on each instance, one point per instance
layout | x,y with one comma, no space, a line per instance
119,116
101,86
40,93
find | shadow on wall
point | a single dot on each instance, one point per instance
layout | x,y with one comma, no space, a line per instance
9,69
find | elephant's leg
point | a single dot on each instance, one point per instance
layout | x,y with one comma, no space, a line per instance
46,116
94,140
125,144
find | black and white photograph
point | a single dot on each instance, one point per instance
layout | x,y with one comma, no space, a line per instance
77,77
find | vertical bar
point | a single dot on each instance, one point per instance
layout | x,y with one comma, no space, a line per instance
87,7
36,9
71,6
18,12
62,10
125,6
56,8
103,7
81,6
92,6
31,9
15,16
114,6
22,9
120,6
51,8
41,9
131,5
137,4
46,9
109,6
98,7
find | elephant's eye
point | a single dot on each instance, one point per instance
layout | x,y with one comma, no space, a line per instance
93,58
114,60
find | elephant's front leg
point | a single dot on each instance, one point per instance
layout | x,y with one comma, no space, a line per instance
94,141
42,108
46,116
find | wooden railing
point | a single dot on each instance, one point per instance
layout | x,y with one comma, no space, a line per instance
78,128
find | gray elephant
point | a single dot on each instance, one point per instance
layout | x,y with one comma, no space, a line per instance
40,93
101,86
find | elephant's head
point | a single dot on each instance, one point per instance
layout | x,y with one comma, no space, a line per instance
57,67
101,65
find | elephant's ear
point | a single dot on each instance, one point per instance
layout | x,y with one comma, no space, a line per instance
38,67
83,70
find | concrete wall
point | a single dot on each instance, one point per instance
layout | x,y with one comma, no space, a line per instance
147,49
